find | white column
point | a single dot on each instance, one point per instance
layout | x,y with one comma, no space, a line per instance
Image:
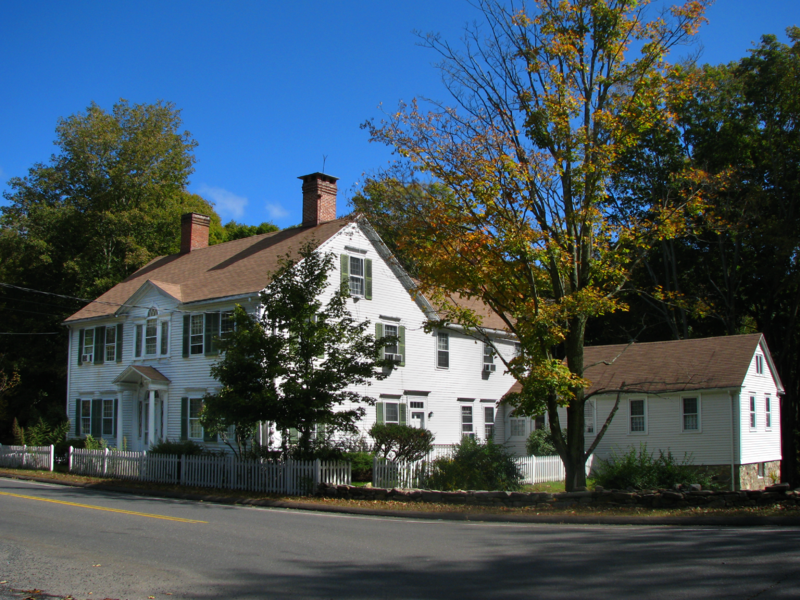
119,420
151,418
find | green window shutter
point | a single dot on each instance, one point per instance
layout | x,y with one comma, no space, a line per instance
401,409
116,412
344,260
379,409
97,418
187,324
99,345
80,347
379,335
78,405
368,279
212,332
401,345
119,343
184,418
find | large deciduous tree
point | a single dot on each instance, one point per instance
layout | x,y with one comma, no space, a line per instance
107,202
547,99
298,363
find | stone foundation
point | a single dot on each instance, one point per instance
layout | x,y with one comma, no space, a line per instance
774,494
748,479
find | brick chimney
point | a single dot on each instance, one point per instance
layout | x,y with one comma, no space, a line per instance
319,199
194,232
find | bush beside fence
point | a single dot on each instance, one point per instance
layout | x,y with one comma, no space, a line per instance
292,477
27,457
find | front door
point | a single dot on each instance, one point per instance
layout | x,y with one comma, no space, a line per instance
418,419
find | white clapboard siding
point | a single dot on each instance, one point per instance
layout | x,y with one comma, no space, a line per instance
27,457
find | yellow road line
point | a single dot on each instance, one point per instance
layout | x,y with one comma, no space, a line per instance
115,510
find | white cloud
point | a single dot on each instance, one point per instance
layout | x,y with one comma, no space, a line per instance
276,211
228,204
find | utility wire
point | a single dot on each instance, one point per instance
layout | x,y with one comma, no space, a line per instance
46,333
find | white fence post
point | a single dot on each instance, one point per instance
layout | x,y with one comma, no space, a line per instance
105,462
317,476
52,456
69,468
24,455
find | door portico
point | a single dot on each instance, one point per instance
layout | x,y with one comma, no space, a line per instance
149,393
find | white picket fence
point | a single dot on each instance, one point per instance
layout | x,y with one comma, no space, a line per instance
534,469
27,457
540,469
292,477
399,474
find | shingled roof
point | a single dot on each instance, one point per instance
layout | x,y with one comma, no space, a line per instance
674,366
221,271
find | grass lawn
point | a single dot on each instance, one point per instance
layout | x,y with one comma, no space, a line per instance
143,487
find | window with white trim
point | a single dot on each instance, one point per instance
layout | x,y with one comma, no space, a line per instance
88,346
391,331
151,338
488,354
111,344
195,409
759,364
638,417
466,421
488,422
752,412
108,417
691,414
443,350
768,412
517,427
86,417
197,333
356,276
391,412
226,324
761,470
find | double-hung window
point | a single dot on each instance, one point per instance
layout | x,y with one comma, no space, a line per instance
152,336
357,275
517,427
226,324
111,344
759,364
466,421
88,346
768,412
488,358
488,422
588,416
752,412
691,414
86,416
638,416
443,350
196,334
392,412
108,417
195,428
391,331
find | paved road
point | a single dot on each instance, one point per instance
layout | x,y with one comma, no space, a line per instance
102,545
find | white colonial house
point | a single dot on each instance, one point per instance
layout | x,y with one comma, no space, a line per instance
140,355
713,399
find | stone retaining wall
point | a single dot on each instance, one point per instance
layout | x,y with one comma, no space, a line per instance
648,498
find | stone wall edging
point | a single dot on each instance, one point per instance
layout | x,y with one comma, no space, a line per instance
775,494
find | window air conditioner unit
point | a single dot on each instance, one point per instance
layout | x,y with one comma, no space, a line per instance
489,367
87,358
398,358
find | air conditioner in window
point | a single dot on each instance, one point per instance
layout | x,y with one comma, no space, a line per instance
397,358
489,367
87,358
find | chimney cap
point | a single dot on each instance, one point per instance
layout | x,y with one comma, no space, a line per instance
318,175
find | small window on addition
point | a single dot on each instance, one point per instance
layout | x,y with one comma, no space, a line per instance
466,422
761,470
759,364
691,414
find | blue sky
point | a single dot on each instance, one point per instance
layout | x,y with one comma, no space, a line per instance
266,88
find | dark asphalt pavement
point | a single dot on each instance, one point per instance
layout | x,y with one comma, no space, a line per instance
94,544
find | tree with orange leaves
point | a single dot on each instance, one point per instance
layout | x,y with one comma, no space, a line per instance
546,99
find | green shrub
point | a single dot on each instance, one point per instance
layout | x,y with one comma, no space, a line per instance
360,465
476,465
92,443
401,442
40,434
540,442
642,471
180,448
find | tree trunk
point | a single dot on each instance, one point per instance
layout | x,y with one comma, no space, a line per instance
574,459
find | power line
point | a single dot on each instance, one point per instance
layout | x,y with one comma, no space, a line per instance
46,333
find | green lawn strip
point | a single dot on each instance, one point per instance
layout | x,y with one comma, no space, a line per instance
145,487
